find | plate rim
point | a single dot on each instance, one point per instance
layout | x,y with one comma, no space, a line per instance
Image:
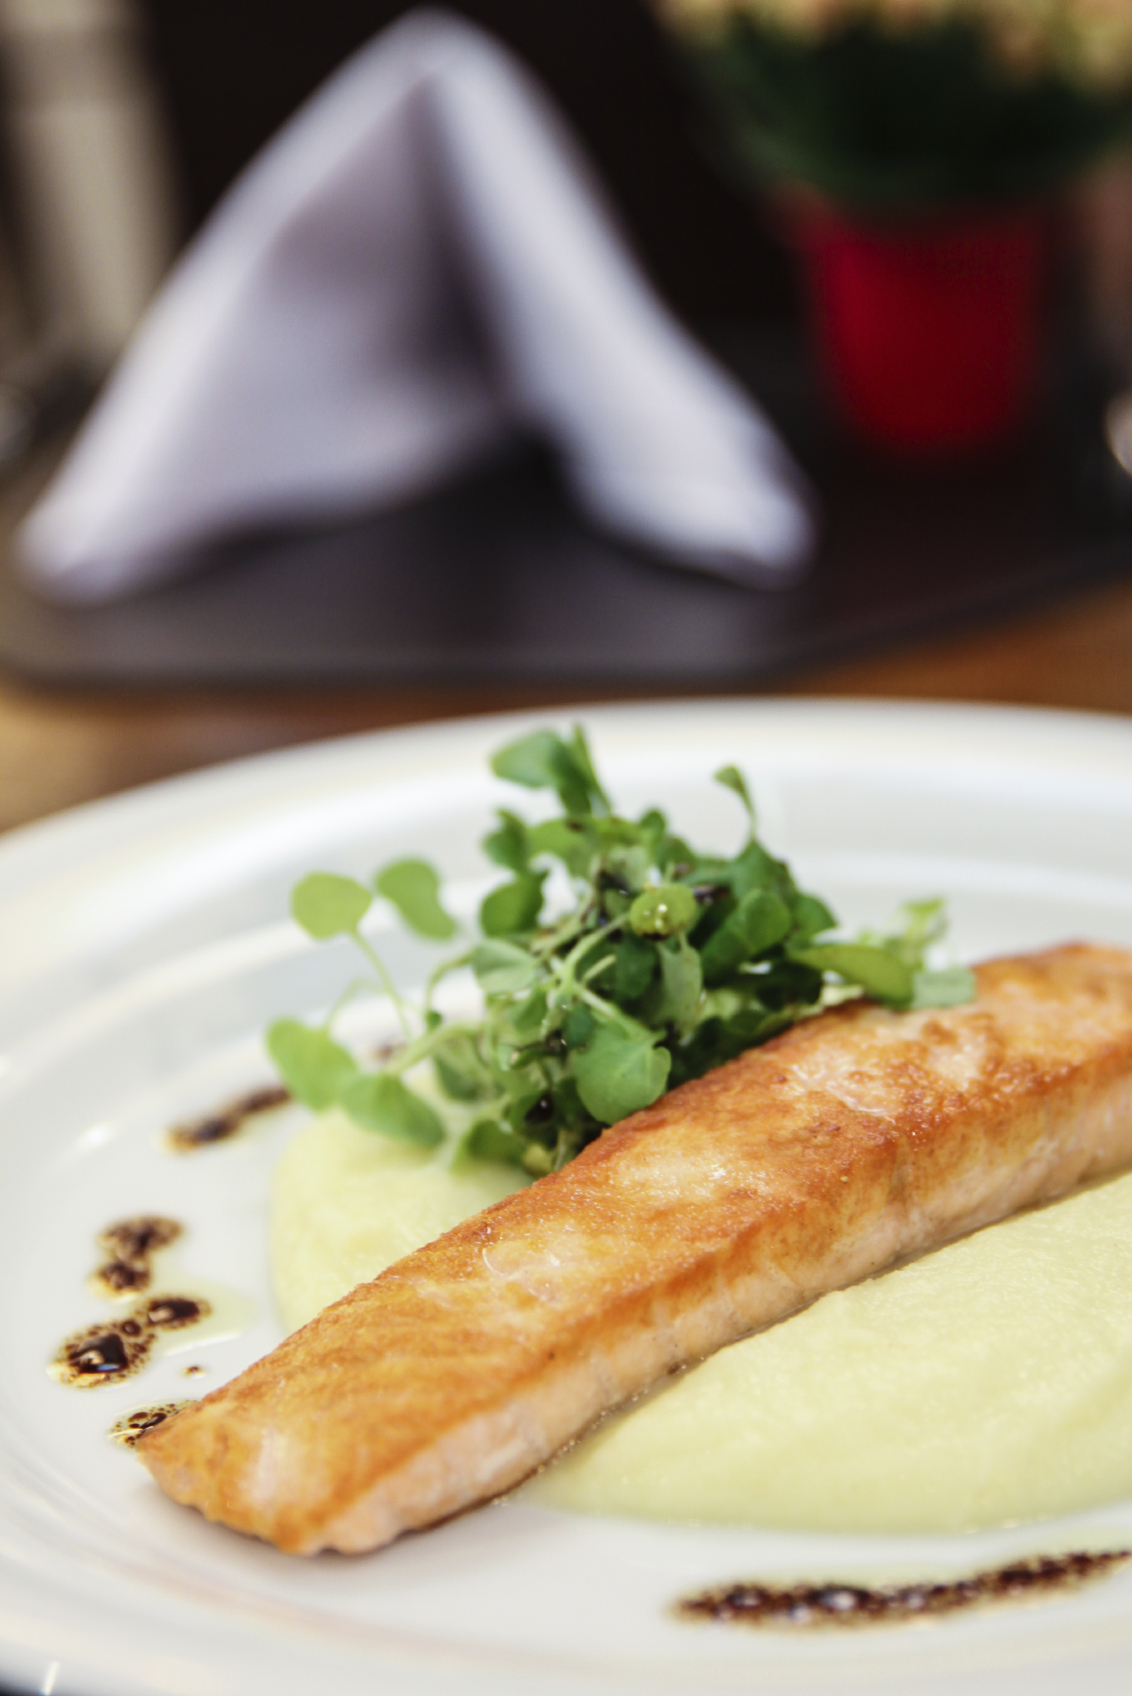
122,811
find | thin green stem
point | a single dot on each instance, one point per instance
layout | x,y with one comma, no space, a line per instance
567,968
542,947
354,987
422,1046
609,1010
442,971
387,983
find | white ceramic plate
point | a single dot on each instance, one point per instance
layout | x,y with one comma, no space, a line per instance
142,947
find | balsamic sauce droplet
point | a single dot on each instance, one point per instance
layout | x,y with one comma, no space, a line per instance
169,1313
132,1244
129,1430
103,1354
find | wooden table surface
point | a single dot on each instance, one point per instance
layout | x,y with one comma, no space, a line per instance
58,748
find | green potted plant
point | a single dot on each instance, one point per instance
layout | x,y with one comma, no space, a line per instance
919,142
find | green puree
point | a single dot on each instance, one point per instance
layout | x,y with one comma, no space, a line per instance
668,961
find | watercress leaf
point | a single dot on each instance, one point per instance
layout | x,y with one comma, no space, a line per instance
531,1110
876,971
531,1014
664,910
732,778
377,1101
543,761
695,1056
568,840
716,905
654,829
634,968
580,750
674,858
503,968
508,845
573,789
760,920
578,1026
756,1025
717,1040
613,833
459,1071
922,923
754,868
531,761
952,986
514,907
619,1072
703,869
790,984
742,1031
811,917
328,905
487,1139
680,989
569,1110
457,1084
414,889
313,1066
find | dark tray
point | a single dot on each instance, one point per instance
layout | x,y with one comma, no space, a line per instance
496,577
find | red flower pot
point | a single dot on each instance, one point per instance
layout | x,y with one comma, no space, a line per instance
928,332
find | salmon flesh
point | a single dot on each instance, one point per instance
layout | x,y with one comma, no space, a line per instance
856,1140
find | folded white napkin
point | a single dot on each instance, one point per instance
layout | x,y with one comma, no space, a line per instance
418,265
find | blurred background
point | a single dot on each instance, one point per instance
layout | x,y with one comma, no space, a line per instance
122,123
125,120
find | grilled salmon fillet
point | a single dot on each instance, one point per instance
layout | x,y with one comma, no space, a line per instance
859,1138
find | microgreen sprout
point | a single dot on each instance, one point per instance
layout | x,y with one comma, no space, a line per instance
668,963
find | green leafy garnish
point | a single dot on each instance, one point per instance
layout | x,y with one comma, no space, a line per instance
313,1066
732,778
414,889
328,905
666,963
503,968
514,907
378,1101
880,972
619,1071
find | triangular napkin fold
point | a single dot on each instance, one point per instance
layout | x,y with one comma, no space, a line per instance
416,266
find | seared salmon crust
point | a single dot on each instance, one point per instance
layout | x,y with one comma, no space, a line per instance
858,1139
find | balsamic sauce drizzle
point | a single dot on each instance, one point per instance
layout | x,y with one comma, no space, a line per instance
131,1245
802,1606
108,1352
113,1349
226,1121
